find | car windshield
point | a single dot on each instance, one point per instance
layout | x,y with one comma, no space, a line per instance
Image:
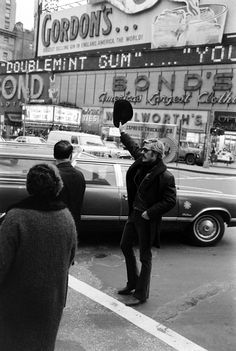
94,140
17,166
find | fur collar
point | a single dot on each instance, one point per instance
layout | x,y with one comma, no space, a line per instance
157,168
33,203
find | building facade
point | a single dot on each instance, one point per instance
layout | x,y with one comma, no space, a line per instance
92,55
7,22
24,42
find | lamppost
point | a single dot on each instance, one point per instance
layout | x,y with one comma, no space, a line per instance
207,140
26,99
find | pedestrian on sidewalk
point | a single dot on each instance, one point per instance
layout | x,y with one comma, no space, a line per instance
37,247
73,180
151,193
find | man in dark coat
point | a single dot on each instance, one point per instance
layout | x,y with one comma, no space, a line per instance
73,190
151,193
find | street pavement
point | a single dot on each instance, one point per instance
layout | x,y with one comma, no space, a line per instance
96,321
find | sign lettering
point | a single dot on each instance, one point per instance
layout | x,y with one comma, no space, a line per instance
139,59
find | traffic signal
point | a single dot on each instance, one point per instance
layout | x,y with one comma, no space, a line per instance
217,131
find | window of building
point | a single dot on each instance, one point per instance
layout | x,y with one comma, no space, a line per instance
7,24
7,14
8,2
6,39
5,56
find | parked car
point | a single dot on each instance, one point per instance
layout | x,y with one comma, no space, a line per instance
30,139
201,215
189,153
225,156
90,143
117,152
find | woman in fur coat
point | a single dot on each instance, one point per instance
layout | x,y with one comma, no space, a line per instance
37,247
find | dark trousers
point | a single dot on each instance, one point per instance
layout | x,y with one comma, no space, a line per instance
137,228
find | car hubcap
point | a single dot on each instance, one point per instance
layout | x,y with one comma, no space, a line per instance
206,229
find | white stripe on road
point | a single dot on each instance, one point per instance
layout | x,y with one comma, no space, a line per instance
154,328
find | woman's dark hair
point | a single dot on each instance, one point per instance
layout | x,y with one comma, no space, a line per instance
44,181
62,150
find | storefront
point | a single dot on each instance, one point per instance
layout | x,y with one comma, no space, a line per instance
40,119
12,124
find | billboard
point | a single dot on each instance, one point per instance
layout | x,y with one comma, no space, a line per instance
114,23
53,115
160,123
17,89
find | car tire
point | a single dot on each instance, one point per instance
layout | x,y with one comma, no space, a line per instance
190,159
207,229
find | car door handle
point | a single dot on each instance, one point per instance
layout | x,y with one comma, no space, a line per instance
125,197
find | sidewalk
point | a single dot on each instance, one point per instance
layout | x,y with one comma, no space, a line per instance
217,168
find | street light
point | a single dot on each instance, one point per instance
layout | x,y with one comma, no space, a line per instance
208,140
26,99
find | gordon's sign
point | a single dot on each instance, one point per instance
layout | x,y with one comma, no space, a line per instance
90,27
116,23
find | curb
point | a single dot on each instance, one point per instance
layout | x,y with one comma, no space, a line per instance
204,170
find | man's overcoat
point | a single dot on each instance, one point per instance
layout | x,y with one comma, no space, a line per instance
36,249
73,190
157,189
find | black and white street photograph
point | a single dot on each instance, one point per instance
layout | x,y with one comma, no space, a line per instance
117,175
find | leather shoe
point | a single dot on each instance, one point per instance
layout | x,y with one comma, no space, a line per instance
135,302
125,291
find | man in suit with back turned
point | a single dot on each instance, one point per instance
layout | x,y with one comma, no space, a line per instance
72,193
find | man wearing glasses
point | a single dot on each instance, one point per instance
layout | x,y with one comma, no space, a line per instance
151,193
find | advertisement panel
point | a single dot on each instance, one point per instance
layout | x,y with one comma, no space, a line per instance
195,55
67,115
17,89
53,115
160,123
91,119
115,23
39,114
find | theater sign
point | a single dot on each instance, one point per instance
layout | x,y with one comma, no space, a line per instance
114,23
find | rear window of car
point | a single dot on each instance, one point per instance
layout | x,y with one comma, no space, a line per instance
94,140
17,166
98,174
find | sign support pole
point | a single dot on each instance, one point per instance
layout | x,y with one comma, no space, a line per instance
207,140
26,99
